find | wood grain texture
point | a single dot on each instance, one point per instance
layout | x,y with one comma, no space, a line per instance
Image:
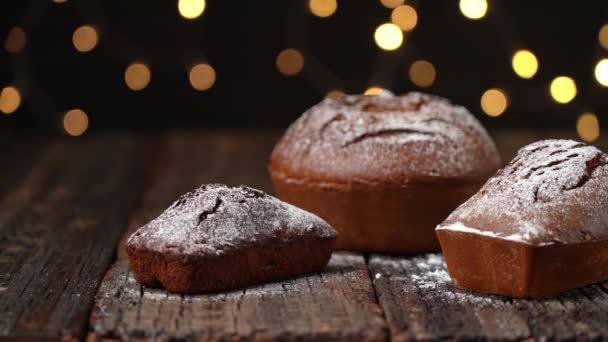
420,304
336,304
60,219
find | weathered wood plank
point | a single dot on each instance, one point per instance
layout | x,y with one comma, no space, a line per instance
337,304
18,157
420,304
59,225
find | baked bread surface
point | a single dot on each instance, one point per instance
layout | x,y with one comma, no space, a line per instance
217,237
539,227
553,191
413,138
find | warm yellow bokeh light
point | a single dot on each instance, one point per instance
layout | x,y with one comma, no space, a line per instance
191,9
84,38
601,72
10,99
603,36
334,94
405,17
75,122
202,76
494,102
392,3
137,76
388,36
588,127
422,73
374,91
473,9
59,1
15,40
524,64
290,62
323,8
563,89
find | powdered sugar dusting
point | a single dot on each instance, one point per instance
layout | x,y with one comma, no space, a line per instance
215,219
553,191
379,135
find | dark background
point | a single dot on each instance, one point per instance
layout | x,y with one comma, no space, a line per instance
241,40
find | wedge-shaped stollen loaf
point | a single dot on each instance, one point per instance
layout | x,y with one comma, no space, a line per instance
217,238
539,227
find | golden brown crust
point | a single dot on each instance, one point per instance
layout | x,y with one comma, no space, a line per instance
189,275
493,265
375,218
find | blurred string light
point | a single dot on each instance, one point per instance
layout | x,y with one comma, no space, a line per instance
137,76
202,76
494,102
391,3
85,38
602,36
334,94
405,17
10,99
588,127
191,9
322,8
15,40
524,64
75,122
290,62
601,72
473,9
374,91
422,73
388,36
563,89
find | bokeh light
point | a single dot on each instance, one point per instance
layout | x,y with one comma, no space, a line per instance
84,38
191,9
10,99
388,36
392,3
290,62
202,76
473,9
494,102
75,122
15,40
405,17
602,36
374,91
137,76
601,72
588,127
59,1
323,8
563,89
334,94
422,73
524,63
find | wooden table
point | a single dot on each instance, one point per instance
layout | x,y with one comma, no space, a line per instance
66,207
